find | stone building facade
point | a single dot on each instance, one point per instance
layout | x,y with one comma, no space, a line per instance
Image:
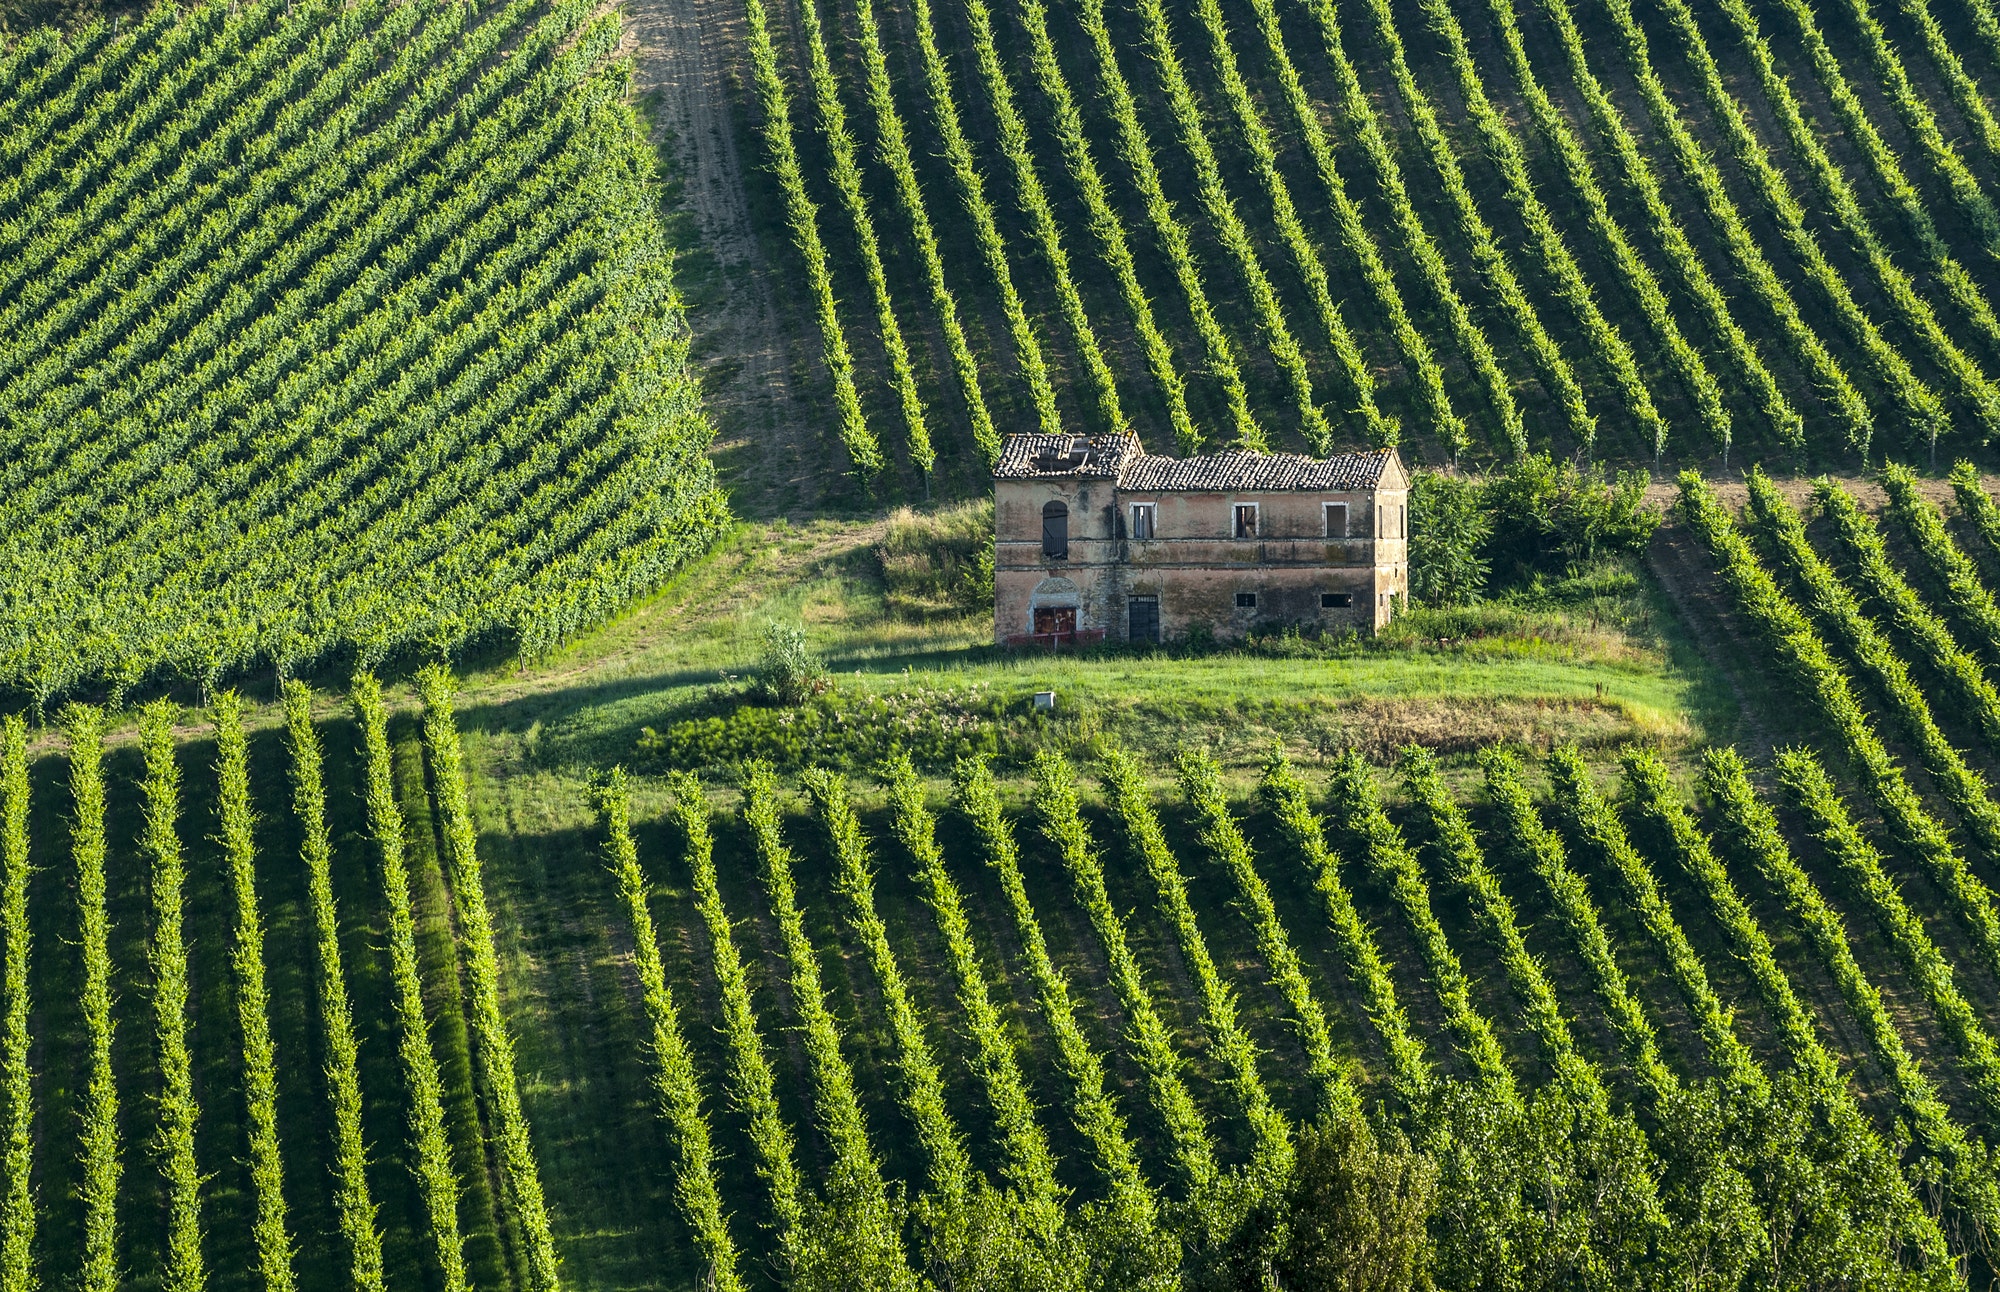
1097,540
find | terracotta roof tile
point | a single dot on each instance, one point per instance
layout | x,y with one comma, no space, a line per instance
1120,458
1029,457
1241,470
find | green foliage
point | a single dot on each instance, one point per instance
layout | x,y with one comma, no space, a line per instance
177,1110
1964,590
1974,502
1885,586
1639,280
1229,1042
1033,199
1889,175
1394,866
846,174
1022,1235
894,149
863,449
246,960
1189,1140
1521,825
1609,345
940,562
1105,224
674,1079
1354,1216
17,1090
85,728
1548,1194
398,313
1922,407
975,1235
752,1083
1835,387
1127,1246
1360,242
1804,655
351,1196
934,727
1918,404
1224,362
1687,265
1554,517
429,1140
1864,869
789,672
1218,832
1448,533
1838,609
1966,1164
1285,793
1466,866
851,1234
1488,256
1222,209
519,1174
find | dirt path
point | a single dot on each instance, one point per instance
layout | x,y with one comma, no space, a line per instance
685,54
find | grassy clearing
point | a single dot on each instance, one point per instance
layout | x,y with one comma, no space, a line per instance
1600,659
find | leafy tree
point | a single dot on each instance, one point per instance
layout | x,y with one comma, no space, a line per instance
1553,517
1448,532
1356,1212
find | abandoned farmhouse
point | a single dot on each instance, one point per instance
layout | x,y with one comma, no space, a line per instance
1097,540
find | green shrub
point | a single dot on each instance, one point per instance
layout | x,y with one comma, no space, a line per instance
1553,518
835,729
940,562
790,672
1448,532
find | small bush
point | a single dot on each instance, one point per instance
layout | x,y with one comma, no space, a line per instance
939,563
790,673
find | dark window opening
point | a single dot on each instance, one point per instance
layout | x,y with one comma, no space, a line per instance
1246,520
1055,532
1335,600
1336,520
1142,521
1246,601
1142,619
1055,619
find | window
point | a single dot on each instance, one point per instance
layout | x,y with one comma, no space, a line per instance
1055,531
1246,601
1336,600
1402,521
1336,520
1142,521
1142,619
1245,525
